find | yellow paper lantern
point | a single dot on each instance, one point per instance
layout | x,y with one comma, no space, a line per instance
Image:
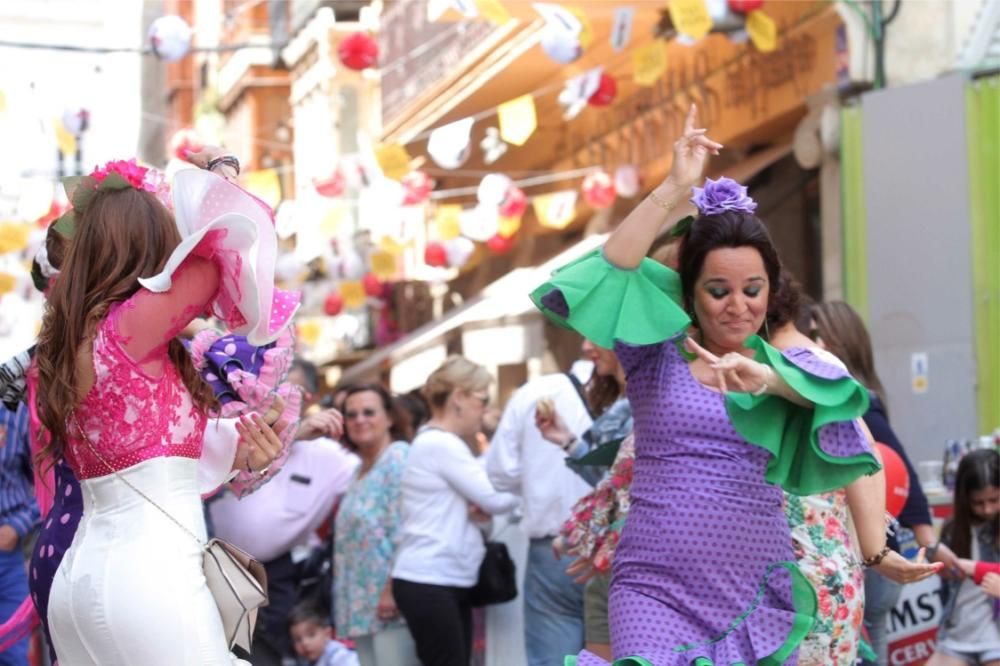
390,245
447,221
383,265
64,139
556,210
394,160
493,11
308,331
649,63
509,226
762,30
690,17
13,236
518,119
353,292
586,36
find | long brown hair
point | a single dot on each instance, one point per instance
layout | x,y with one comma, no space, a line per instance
979,470
845,336
120,236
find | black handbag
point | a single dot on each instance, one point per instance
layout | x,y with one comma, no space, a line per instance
497,582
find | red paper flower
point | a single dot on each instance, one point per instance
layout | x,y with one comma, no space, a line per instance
606,91
334,304
417,187
129,170
514,204
373,286
331,187
358,51
745,6
598,190
500,245
435,255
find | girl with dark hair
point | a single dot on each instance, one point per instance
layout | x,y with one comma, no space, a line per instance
704,572
119,398
837,328
970,625
367,531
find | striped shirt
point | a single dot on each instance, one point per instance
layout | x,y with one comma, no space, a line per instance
17,493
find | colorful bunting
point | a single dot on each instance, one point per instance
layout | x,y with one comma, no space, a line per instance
763,32
690,17
517,119
649,63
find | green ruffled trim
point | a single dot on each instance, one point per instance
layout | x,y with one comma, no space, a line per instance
805,605
607,303
790,433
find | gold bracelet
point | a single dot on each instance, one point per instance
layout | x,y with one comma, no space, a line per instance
661,203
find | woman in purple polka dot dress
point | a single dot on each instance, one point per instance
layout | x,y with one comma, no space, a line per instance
704,574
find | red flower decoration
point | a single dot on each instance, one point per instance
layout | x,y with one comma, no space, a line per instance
373,286
358,51
334,304
606,91
745,6
514,204
500,245
417,187
131,172
435,255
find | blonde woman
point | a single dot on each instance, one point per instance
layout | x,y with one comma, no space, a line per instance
444,489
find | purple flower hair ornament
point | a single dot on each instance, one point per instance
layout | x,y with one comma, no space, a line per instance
719,196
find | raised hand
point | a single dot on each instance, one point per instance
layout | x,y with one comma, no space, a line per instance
895,567
552,427
258,446
734,371
691,152
327,423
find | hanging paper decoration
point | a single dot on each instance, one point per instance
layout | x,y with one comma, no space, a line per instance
724,19
627,180
493,189
561,47
333,186
500,244
690,17
352,268
509,226
517,119
330,225
358,51
447,221
598,190
393,160
564,35
184,141
745,6
64,139
265,185
383,265
333,305
621,29
514,203
492,145
459,250
493,11
448,146
7,283
389,245
479,223
435,255
649,63
417,187
606,91
76,120
372,285
763,32
308,330
556,210
170,37
577,90
13,236
354,294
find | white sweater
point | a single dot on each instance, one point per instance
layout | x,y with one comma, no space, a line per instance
440,545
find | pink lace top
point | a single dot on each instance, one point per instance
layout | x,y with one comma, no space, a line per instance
138,408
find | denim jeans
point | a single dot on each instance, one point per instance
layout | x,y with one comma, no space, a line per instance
393,646
553,607
881,595
13,590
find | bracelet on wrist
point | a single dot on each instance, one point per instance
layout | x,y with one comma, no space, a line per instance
665,205
224,160
570,443
877,558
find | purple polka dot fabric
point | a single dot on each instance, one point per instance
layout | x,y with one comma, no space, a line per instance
843,439
703,532
556,302
808,361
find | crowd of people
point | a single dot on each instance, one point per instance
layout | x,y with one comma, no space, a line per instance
701,489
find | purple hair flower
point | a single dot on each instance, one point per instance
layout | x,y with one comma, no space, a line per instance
721,195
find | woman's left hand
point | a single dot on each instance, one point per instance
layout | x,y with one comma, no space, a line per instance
202,157
991,585
259,446
582,569
734,371
895,567
386,608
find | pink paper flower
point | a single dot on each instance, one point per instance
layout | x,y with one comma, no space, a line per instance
129,170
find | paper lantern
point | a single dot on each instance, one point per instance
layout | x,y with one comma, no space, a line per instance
897,479
351,266
184,141
515,203
500,244
509,226
627,180
417,187
493,189
358,51
373,286
479,223
561,45
332,186
76,120
606,91
449,145
745,6
334,304
435,255
170,38
459,251
598,190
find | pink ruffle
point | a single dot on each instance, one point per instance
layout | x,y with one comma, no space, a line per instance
45,474
247,482
19,625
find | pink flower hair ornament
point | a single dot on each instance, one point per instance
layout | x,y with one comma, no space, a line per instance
115,175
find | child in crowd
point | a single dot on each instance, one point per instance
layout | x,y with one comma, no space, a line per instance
970,632
311,637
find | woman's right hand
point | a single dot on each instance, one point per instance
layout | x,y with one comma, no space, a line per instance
691,152
896,567
259,446
553,428
202,157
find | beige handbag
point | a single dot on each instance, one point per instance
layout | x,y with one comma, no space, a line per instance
237,581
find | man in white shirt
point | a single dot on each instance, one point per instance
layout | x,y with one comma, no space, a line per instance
283,514
522,462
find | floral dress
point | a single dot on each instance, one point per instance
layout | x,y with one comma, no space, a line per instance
825,555
366,536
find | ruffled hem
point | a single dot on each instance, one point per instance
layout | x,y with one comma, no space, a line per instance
754,628
814,450
219,220
606,304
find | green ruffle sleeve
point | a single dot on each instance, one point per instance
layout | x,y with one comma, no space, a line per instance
605,303
814,450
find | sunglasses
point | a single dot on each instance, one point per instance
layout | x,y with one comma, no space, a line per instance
367,412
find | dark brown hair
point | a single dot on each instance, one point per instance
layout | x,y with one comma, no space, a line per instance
731,229
387,404
122,235
55,247
602,391
978,470
845,336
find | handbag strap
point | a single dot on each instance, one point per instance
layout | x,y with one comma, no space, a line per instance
128,483
582,393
